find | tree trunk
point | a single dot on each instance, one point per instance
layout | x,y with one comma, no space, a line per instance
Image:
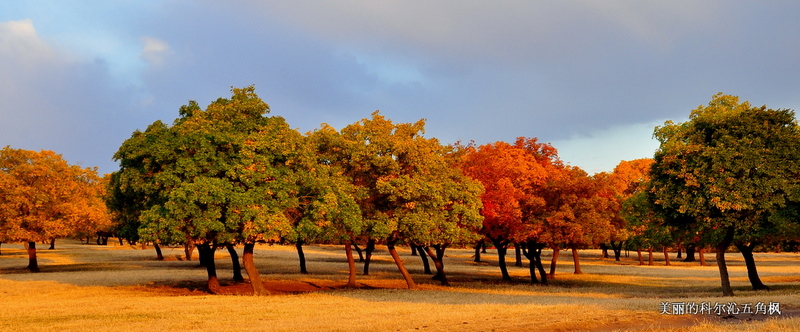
666,256
650,256
501,255
201,259
701,252
237,269
438,261
358,251
159,255
351,265
680,252
188,248
302,256
211,268
603,250
690,251
478,252
426,267
400,266
52,244
639,253
576,261
617,249
33,263
517,255
413,250
534,254
368,255
252,271
553,262
752,272
724,278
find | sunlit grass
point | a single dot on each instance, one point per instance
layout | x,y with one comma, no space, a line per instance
88,287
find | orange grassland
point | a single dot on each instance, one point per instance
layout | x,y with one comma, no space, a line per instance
89,287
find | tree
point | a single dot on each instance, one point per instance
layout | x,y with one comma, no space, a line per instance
514,178
43,198
218,176
726,171
577,212
406,187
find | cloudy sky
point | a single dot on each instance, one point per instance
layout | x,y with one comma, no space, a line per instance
591,77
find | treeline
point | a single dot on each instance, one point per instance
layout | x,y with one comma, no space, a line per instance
231,175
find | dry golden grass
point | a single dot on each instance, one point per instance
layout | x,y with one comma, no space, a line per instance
88,287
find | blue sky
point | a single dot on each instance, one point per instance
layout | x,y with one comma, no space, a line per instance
593,78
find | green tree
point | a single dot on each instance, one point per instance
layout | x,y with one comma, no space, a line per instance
218,176
406,188
42,197
727,171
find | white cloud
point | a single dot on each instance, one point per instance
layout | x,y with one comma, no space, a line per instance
20,46
154,51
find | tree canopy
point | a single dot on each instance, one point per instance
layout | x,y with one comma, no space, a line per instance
42,197
726,170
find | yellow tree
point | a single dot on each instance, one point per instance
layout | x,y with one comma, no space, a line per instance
43,198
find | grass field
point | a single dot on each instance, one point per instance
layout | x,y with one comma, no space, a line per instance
88,287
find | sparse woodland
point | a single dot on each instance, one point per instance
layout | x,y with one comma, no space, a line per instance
230,176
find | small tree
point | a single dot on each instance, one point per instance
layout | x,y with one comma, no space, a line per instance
43,198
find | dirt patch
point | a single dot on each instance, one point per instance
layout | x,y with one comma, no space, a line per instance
275,287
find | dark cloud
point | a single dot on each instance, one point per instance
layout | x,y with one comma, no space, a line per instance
481,71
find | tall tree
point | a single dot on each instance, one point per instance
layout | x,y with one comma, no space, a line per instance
727,169
42,197
217,176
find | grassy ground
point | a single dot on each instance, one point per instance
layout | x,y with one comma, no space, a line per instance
89,287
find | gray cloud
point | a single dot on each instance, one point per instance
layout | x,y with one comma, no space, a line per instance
485,71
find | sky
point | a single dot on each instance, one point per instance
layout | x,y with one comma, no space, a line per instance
591,77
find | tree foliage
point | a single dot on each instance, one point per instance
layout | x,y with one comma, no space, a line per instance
407,187
224,175
727,170
42,197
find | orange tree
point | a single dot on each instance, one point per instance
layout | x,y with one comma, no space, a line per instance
577,213
625,180
510,175
726,173
406,187
43,198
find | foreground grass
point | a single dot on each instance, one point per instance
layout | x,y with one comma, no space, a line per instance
90,287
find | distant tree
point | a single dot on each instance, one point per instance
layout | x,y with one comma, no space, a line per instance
42,198
577,213
728,170
624,181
